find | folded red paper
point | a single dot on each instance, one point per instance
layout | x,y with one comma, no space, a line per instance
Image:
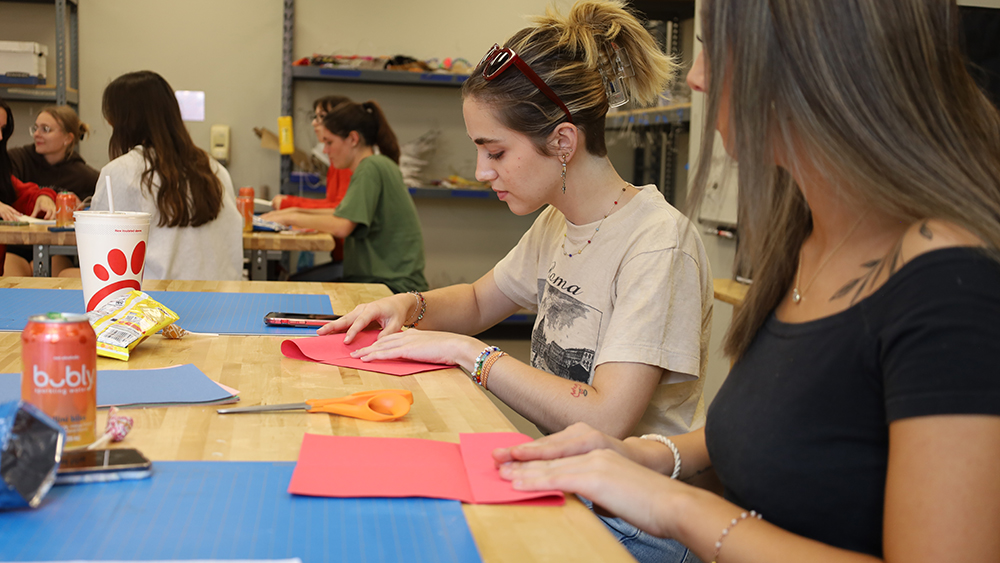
350,466
330,349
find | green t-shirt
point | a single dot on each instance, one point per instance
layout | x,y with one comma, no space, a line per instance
387,245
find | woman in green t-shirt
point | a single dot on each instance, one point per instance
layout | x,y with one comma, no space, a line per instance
377,219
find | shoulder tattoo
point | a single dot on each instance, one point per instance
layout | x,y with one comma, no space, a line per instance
873,269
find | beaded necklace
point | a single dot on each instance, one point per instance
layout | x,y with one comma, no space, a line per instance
613,205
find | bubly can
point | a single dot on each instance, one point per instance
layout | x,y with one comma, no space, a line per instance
65,206
59,372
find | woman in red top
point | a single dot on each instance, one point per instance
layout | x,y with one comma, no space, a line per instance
337,179
18,198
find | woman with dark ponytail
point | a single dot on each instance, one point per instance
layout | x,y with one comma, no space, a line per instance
377,219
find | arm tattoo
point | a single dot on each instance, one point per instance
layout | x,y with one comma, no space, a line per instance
578,391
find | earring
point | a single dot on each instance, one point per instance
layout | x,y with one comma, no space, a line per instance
563,158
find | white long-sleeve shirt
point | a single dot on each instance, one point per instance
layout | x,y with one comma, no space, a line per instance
213,251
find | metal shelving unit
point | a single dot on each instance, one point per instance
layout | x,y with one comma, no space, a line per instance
341,74
291,73
66,90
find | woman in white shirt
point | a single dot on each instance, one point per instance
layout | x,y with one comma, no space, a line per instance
195,231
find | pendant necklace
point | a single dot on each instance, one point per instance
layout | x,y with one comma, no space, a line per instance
796,294
580,251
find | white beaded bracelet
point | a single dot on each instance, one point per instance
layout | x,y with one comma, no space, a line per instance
732,524
666,442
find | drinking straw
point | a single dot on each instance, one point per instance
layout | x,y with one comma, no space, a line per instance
111,198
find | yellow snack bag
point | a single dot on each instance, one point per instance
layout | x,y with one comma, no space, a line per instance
122,322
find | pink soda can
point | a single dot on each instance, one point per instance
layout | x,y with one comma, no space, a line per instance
59,372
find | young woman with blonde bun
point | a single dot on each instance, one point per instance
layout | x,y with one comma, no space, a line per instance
861,419
618,277
53,160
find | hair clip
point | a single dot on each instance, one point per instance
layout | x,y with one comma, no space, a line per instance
615,68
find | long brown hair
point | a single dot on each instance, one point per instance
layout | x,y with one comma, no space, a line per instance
873,95
142,109
565,52
368,120
70,123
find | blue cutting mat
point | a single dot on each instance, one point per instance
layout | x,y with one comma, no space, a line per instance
178,385
223,313
230,510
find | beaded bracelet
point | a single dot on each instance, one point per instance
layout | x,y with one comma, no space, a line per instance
666,442
477,370
732,524
421,307
488,365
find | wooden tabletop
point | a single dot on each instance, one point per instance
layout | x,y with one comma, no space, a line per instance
446,403
257,240
730,291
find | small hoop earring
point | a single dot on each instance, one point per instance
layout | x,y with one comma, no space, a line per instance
563,159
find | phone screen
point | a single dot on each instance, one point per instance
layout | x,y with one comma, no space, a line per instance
91,461
298,319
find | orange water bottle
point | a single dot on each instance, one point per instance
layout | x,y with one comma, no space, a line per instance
244,203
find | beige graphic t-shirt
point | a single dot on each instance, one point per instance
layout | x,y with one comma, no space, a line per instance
640,292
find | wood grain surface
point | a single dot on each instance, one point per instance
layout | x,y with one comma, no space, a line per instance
38,234
446,403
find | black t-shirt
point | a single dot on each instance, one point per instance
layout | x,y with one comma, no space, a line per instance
800,429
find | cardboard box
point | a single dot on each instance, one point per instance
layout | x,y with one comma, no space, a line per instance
22,58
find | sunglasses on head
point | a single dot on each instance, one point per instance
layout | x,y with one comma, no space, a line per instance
498,60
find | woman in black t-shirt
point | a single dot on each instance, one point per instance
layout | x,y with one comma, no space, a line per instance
862,415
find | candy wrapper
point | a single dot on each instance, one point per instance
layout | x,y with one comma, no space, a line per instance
174,332
115,430
31,446
123,321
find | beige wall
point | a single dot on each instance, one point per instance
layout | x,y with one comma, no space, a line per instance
231,50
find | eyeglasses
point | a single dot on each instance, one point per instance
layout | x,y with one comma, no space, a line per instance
43,128
498,60
317,117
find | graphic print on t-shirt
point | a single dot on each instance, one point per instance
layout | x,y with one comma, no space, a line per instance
565,337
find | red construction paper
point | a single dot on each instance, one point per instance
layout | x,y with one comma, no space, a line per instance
330,349
350,466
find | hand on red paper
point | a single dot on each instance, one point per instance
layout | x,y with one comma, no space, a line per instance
424,346
624,488
576,439
390,313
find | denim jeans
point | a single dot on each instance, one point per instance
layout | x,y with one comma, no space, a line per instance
646,548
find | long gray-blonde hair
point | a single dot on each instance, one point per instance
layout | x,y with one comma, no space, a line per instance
874,95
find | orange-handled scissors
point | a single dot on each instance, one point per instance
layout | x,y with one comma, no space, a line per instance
378,406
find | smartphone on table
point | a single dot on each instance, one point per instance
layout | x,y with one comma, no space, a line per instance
298,319
88,466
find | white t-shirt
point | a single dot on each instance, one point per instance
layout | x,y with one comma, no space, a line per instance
213,251
640,292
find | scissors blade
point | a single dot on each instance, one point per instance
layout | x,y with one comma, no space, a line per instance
266,408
